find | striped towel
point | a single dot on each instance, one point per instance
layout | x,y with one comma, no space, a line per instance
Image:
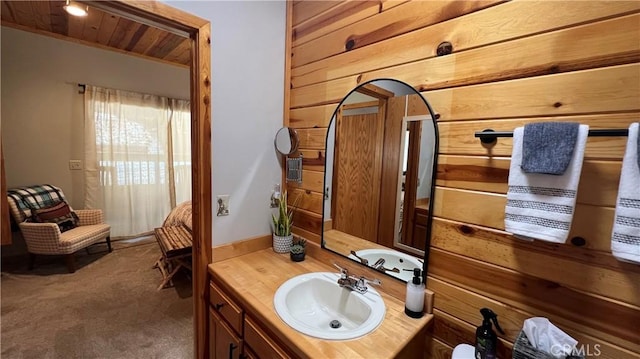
625,242
541,206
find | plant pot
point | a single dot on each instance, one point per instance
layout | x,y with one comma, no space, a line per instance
297,257
282,244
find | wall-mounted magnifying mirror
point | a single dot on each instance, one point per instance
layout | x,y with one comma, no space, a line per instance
286,141
381,155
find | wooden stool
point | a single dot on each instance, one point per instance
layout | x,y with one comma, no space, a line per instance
175,243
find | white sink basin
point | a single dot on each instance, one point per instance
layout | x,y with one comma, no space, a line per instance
392,259
314,304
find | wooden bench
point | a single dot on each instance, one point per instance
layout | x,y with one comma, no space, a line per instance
175,243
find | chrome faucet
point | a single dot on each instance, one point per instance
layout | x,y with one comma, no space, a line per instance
379,264
362,260
358,284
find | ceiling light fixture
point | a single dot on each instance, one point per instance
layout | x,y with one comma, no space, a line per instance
76,9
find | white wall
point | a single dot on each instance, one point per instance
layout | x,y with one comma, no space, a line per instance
42,112
247,60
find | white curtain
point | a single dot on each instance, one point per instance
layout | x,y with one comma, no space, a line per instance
132,141
180,123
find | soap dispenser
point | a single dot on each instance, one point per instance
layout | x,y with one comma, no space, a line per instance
486,338
414,303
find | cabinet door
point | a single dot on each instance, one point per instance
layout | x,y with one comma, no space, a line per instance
260,343
223,343
249,354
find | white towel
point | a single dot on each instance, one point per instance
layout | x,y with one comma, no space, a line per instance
541,206
625,241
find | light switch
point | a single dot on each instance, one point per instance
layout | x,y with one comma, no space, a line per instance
75,165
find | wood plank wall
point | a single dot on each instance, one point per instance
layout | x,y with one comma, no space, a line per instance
513,62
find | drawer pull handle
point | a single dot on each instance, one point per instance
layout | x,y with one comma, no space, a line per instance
218,306
232,347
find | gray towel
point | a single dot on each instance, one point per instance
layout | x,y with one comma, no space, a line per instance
548,147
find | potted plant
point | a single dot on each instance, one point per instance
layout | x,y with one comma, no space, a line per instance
282,237
298,249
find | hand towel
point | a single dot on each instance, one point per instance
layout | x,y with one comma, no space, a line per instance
625,241
547,147
541,206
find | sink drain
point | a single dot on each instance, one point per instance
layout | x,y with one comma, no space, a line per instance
335,324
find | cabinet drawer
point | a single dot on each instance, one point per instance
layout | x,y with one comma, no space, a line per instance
221,304
260,342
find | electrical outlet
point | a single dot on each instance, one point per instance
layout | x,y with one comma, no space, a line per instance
223,205
75,164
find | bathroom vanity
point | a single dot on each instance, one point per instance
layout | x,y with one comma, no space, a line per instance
244,323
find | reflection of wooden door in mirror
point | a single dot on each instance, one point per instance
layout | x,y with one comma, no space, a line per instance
411,233
358,161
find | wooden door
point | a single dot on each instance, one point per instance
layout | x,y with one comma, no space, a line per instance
223,342
5,224
358,170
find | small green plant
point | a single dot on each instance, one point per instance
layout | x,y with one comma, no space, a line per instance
298,246
283,223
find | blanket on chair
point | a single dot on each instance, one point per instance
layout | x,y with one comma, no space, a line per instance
30,198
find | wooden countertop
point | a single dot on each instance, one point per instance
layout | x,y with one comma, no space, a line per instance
344,243
252,279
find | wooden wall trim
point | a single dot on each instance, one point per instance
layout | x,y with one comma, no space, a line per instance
457,136
239,248
622,283
545,95
383,26
592,223
312,117
456,301
490,174
536,295
560,50
304,10
452,331
343,13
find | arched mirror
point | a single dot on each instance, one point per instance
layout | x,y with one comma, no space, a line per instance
381,154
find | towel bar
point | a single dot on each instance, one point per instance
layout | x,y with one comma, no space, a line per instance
489,136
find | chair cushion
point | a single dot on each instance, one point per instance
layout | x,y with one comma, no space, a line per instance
82,236
59,213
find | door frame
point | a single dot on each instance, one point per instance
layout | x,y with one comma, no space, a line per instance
199,31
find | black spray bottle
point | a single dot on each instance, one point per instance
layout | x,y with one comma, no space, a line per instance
486,338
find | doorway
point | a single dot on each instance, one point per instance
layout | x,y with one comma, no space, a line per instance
198,31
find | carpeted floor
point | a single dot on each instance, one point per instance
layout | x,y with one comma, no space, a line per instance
108,308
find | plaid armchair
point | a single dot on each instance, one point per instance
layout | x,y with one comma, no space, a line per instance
49,226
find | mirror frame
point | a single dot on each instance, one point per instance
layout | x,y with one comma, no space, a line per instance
294,140
434,173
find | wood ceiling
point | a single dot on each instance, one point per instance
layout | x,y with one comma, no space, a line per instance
98,28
